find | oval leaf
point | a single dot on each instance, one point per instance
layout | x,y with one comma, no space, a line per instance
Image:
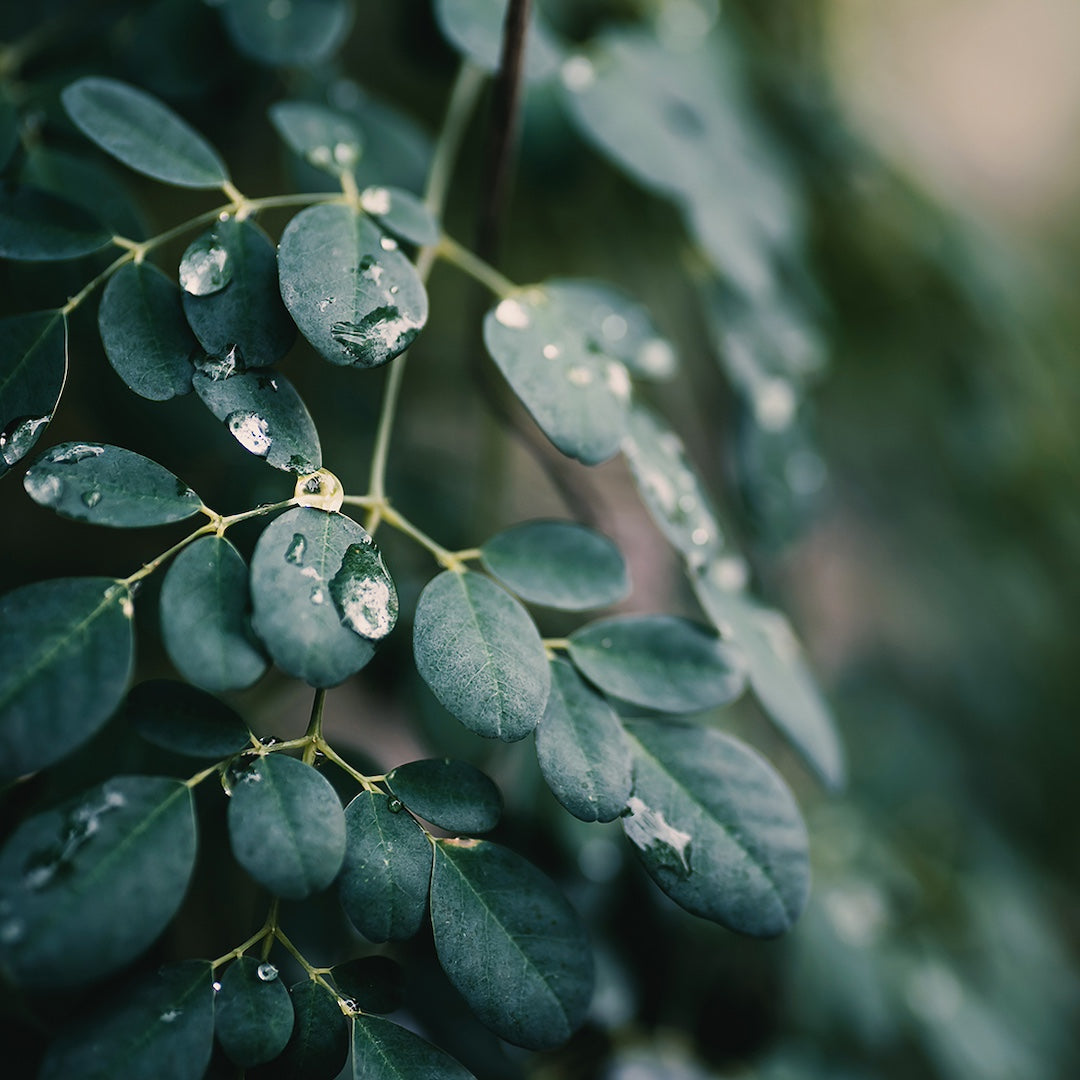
560,564
158,1028
355,297
581,750
286,826
205,611
385,1051
319,1044
294,565
451,794
38,227
265,415
107,485
66,650
253,1013
717,828
494,912
475,29
326,138
401,213
144,332
384,881
301,32
143,133
375,983
185,720
660,661
86,887
481,654
33,367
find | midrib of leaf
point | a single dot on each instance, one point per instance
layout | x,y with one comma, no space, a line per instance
294,843
496,681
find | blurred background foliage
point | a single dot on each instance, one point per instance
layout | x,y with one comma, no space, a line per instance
924,542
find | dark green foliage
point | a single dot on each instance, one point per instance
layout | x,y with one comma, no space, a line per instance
384,1051
253,1013
451,794
184,719
39,227
319,1043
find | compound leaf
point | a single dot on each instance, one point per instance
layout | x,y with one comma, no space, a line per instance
319,1044
475,28
301,32
38,227
253,1013
286,826
451,794
87,886
186,720
481,654
382,1050
492,911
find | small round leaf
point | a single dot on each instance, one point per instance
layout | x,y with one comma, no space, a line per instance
475,29
319,1044
451,794
401,213
186,720
38,227
326,138
253,1013
382,1050
301,32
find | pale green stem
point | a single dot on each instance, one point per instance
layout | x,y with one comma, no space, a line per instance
483,272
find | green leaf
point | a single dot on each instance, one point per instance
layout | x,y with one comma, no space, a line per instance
383,883
301,32
144,332
576,389
87,886
510,943
253,1013
247,316
777,670
560,564
66,650
205,610
326,138
397,150
286,826
481,654
142,132
581,749
33,367
363,591
319,1044
186,720
296,561
375,983
38,227
454,795
475,29
401,213
158,1028
107,485
385,1051
355,297
9,130
265,415
660,661
717,828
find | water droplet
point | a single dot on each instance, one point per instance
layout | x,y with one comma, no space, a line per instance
279,9
320,156
614,327
19,436
512,314
379,336
44,488
295,552
170,1015
687,503
579,376
648,830
251,431
346,154
394,806
730,572
388,243
618,379
656,357
217,987
205,267
578,73
127,607
12,931
605,643
551,351
364,592
269,740
375,200
350,1005
325,302
317,595
74,453
219,367
700,536
775,403
395,289
267,972
91,498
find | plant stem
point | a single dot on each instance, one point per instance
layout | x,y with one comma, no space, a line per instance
471,263
314,728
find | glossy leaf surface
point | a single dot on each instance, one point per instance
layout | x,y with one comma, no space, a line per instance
186,720
253,1013
327,138
302,32
355,297
66,649
295,562
205,610
475,28
660,661
286,826
143,133
382,1050
454,795
383,884
492,911
376,983
38,227
107,485
481,654
717,828
559,564
581,749
401,213
87,886
265,415
144,332
319,1044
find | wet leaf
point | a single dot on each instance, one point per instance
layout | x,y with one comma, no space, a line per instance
295,562
38,227
253,1013
383,883
326,138
475,29
319,1044
144,332
492,911
660,661
205,610
186,720
559,564
143,133
363,591
375,983
286,826
66,649
401,213
481,654
300,32
355,297
160,1027
717,828
88,886
107,485
580,746
265,415
451,794
382,1050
